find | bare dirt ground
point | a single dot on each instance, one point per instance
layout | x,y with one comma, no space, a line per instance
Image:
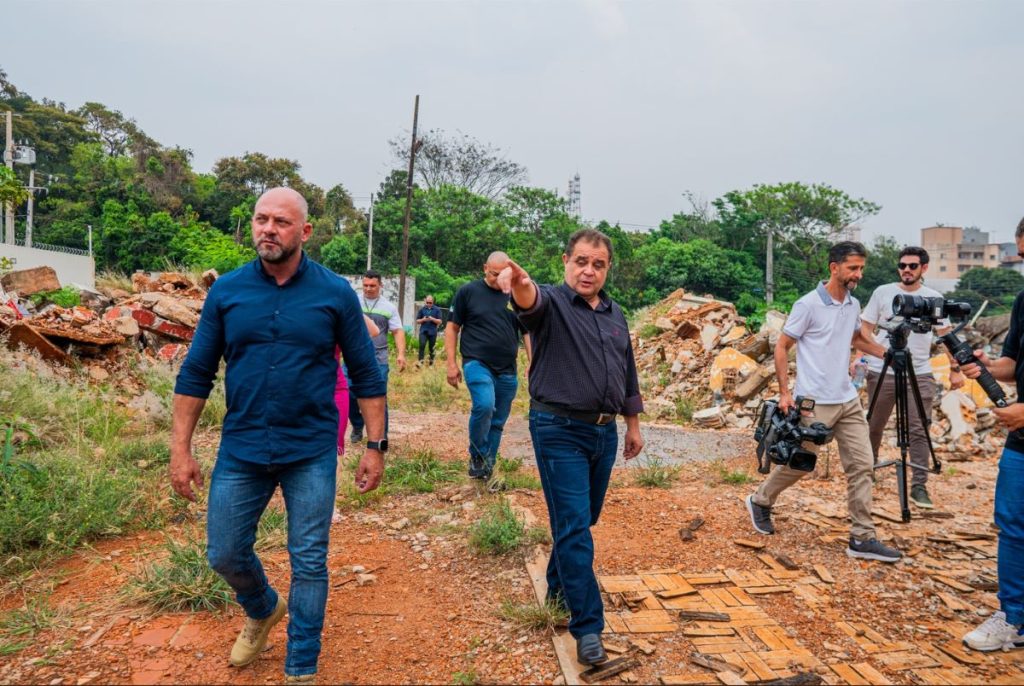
432,613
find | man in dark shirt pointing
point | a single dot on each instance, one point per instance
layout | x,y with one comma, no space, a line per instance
276,322
583,374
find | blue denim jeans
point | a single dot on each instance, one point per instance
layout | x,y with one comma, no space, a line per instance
492,396
239,493
355,417
1010,520
575,460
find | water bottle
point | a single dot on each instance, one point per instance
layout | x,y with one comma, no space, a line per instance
860,372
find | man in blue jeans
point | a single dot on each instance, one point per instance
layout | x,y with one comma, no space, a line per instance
583,375
489,330
1004,630
276,322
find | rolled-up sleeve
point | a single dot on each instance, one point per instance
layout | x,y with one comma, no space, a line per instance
199,370
633,404
351,335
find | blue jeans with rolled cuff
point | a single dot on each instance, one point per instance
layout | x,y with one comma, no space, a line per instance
575,461
239,493
1009,517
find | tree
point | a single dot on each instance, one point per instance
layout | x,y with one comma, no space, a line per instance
998,286
462,161
698,265
11,190
114,130
881,265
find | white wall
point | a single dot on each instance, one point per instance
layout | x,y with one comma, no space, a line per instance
77,269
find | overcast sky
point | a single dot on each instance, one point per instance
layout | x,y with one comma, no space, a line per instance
918,106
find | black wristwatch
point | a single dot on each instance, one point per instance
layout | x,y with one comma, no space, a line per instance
381,445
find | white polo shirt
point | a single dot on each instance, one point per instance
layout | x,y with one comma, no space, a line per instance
823,329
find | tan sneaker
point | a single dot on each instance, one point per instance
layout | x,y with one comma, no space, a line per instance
306,679
253,638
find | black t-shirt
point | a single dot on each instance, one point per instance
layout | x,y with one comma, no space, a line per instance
489,329
1012,348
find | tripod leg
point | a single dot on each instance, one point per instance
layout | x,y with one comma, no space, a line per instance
878,387
902,439
926,420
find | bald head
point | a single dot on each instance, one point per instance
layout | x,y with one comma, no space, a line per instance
497,258
496,261
282,195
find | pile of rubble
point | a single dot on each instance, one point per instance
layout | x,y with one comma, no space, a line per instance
698,359
157,320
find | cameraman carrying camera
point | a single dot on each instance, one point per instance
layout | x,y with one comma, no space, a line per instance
825,323
1005,629
912,266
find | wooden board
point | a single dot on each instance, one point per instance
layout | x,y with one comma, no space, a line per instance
824,574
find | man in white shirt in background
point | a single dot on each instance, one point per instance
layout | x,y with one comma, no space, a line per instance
912,266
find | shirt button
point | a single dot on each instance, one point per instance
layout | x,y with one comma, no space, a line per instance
277,312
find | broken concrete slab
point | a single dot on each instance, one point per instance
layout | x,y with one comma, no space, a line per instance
30,281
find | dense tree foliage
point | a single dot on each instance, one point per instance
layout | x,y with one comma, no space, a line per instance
148,207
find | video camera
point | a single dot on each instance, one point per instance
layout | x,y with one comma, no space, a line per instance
920,314
779,436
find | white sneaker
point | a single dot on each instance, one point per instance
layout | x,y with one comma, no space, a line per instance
995,634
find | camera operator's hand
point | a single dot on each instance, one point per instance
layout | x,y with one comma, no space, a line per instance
1011,416
786,401
973,371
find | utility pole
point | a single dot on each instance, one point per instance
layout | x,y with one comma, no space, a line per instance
9,161
413,147
769,268
31,203
369,238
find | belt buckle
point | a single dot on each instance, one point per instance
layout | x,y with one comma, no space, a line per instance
603,418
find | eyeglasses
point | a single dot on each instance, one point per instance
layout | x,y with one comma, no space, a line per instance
911,267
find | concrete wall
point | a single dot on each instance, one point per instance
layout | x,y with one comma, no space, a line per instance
389,289
70,268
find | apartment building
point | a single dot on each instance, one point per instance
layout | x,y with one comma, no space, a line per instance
954,250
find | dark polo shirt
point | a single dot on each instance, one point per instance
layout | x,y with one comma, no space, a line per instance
582,356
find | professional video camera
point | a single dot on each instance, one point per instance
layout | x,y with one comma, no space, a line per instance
920,314
779,435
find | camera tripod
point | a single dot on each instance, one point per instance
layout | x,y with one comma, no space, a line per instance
898,358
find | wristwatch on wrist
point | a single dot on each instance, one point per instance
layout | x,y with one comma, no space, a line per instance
381,445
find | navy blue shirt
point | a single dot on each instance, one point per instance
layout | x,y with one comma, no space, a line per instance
432,311
278,343
582,356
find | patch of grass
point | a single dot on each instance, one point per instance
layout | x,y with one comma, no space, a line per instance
522,480
182,582
736,477
272,531
18,627
68,296
420,472
467,678
952,471
498,531
113,280
538,535
507,465
648,331
533,616
654,472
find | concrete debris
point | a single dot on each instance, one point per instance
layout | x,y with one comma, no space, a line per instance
699,360
28,282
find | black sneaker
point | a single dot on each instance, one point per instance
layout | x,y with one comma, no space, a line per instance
477,467
356,436
760,517
919,496
873,549
590,650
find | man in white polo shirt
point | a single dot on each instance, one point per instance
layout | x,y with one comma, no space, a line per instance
823,325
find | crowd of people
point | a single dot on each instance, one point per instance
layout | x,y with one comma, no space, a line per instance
306,356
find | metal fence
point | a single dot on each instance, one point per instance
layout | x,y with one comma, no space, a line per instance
53,248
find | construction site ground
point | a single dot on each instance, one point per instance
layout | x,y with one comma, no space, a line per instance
430,614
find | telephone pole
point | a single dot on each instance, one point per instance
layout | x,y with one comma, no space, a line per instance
769,269
369,238
413,147
9,161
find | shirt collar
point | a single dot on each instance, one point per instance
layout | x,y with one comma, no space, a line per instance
605,303
303,266
826,297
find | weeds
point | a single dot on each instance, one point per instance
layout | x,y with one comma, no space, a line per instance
182,582
507,465
656,473
538,535
19,627
521,480
420,472
648,331
736,477
467,678
498,531
534,616
272,531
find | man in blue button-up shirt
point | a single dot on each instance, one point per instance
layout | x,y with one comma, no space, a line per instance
276,322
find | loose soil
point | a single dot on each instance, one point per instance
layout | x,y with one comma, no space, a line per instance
432,614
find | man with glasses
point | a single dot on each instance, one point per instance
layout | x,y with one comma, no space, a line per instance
912,266
481,312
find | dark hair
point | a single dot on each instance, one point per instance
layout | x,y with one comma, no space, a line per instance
1020,229
589,236
915,251
840,251
371,274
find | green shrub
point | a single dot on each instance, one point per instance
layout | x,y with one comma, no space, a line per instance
498,531
183,582
68,296
654,472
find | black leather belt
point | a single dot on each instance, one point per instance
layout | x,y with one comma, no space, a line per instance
599,418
